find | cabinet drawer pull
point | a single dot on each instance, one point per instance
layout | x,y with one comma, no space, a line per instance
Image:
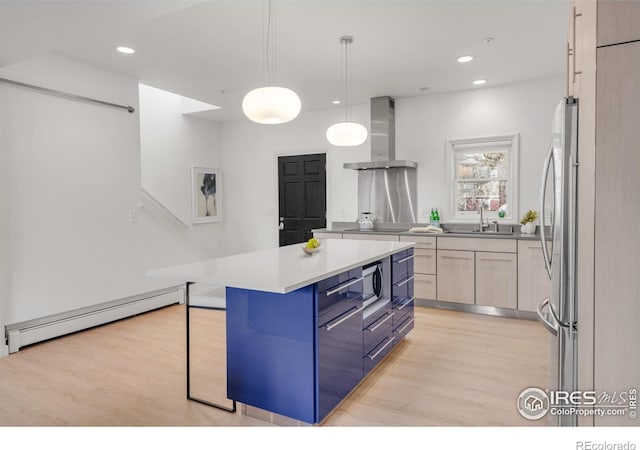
389,316
404,259
409,322
348,316
372,357
345,285
402,283
406,302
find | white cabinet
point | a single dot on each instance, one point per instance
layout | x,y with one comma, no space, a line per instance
372,237
617,249
618,22
533,281
424,266
424,286
496,279
321,235
477,244
424,261
426,242
455,279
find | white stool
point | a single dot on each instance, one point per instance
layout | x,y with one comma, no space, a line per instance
207,296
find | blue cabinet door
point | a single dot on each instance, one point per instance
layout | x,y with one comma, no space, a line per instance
271,351
340,365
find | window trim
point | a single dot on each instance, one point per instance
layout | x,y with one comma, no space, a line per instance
512,144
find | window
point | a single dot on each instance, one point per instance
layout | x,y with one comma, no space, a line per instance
484,172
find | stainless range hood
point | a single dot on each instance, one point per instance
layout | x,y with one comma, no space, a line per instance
383,138
386,187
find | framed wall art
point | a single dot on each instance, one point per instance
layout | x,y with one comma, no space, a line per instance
206,195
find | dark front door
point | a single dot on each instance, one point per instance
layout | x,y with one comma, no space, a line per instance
303,200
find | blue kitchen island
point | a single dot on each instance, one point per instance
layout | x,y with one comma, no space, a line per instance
304,330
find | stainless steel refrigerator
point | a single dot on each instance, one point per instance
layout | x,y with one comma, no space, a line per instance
558,313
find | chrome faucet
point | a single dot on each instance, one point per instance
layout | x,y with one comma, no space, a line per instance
482,225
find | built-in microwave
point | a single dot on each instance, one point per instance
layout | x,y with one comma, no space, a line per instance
372,283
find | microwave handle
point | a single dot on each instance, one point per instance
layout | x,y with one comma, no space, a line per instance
377,282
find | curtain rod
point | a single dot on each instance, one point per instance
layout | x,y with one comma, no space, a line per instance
130,109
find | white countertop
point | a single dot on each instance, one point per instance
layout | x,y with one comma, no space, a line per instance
282,269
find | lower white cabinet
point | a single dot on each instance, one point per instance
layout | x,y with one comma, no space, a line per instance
321,235
424,261
505,273
496,279
533,281
455,279
424,286
427,242
372,237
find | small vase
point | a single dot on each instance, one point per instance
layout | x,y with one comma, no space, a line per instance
528,228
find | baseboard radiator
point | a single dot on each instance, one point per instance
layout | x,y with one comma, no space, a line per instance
37,330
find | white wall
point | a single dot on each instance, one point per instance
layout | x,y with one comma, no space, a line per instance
423,124
4,219
75,177
170,144
251,176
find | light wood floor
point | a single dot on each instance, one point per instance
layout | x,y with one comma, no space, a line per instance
454,369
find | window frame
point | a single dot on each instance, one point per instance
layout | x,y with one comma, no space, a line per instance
511,144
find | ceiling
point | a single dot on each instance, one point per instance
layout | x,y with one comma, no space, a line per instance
212,50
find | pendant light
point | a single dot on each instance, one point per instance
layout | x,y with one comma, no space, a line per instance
271,104
347,133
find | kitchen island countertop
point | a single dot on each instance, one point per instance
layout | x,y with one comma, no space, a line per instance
282,269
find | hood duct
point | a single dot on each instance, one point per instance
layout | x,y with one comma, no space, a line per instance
386,187
383,138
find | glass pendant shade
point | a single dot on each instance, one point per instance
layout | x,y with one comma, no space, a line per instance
271,105
346,134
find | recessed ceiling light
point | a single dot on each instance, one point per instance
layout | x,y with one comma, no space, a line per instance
478,82
488,40
424,88
125,50
464,59
336,102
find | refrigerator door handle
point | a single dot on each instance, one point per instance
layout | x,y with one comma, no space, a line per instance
554,326
543,234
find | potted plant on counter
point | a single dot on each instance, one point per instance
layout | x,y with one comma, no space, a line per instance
528,227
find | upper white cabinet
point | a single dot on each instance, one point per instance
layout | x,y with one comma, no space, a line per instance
618,22
617,249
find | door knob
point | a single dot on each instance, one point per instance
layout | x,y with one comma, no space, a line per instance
281,226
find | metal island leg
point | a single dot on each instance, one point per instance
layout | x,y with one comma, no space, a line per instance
189,396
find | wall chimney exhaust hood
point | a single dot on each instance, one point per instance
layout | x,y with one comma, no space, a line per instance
383,138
